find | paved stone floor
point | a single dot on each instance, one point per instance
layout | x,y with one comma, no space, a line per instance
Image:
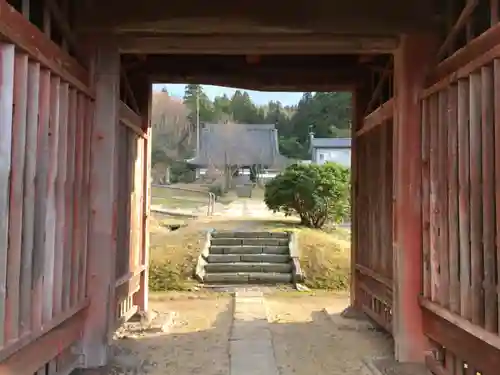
251,333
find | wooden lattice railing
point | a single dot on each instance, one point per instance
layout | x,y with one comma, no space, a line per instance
46,116
130,260
373,218
461,202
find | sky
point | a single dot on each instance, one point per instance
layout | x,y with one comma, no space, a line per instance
258,97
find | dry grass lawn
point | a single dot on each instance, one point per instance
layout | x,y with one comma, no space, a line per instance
324,253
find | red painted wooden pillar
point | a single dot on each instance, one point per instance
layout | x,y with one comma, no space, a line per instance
411,62
102,233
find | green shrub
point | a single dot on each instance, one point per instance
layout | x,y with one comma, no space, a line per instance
316,193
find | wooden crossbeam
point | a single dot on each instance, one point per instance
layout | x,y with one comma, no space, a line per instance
380,86
457,27
129,91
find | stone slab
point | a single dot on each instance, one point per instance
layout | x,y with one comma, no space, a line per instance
243,250
249,267
267,258
223,258
251,350
265,241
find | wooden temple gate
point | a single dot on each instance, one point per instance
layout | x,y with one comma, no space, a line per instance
459,191
55,200
75,155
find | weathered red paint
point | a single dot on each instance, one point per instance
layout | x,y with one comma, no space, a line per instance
410,342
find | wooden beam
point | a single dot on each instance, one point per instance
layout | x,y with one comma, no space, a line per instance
474,345
63,24
378,117
131,120
288,74
273,44
278,83
388,71
409,76
360,100
385,16
128,90
40,332
472,56
103,207
457,27
15,28
39,352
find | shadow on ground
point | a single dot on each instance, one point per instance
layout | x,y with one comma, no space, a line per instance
306,341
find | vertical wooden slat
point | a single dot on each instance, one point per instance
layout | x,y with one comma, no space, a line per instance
132,160
389,193
41,196
29,194
141,299
475,201
7,55
89,120
444,287
464,198
70,180
453,244
497,174
434,214
77,203
140,203
371,203
51,217
425,198
384,223
377,192
61,196
16,197
488,195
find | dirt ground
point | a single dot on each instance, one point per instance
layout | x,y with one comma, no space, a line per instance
306,340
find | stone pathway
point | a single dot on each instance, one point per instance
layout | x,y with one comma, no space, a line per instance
251,349
251,334
246,208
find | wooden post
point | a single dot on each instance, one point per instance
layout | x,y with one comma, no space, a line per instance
102,233
410,69
144,95
360,101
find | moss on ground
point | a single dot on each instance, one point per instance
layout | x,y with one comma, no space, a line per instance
324,253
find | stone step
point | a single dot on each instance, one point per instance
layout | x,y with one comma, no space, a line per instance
249,249
248,278
236,267
249,241
224,234
252,258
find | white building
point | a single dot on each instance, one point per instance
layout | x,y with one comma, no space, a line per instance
336,150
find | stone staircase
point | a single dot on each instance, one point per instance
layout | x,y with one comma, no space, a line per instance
247,258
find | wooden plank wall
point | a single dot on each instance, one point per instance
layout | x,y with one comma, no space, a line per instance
461,208
45,194
46,112
130,224
374,205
